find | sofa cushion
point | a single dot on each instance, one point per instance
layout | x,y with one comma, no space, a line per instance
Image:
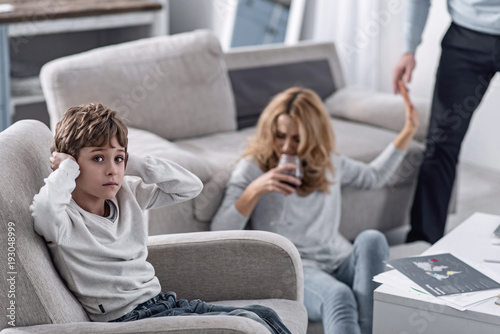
364,142
142,142
258,73
375,108
220,151
267,81
174,86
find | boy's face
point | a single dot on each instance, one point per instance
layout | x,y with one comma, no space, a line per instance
101,173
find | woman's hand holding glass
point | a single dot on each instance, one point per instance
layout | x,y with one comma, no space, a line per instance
284,179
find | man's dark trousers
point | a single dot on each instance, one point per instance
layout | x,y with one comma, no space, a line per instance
469,59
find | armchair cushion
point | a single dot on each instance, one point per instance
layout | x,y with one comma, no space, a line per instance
203,324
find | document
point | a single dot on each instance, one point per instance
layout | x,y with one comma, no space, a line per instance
443,274
436,278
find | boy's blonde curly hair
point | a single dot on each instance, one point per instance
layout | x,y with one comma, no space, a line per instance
91,124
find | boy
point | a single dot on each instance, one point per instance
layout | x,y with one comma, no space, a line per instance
92,218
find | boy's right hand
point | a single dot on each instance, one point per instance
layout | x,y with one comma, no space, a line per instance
57,158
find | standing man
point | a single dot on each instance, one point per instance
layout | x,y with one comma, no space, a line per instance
470,56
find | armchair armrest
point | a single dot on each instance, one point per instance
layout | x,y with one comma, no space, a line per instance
227,265
376,108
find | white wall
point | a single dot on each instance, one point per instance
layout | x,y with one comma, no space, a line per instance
481,145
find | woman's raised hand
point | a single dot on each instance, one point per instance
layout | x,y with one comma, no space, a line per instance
412,119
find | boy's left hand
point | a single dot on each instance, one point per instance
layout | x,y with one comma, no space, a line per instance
57,158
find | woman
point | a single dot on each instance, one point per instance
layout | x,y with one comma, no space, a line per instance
337,274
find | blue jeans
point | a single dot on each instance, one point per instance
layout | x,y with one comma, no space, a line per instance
167,305
343,299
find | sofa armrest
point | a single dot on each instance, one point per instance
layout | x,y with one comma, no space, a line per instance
375,108
227,265
162,325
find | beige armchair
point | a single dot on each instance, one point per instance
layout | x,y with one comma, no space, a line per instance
232,268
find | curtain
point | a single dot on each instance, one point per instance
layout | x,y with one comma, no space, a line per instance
356,27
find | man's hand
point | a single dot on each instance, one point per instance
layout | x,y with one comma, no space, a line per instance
57,158
403,71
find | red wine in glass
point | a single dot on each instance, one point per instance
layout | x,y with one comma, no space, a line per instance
291,159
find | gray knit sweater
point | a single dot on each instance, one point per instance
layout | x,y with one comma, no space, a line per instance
310,222
104,262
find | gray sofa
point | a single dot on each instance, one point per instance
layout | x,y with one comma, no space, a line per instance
222,268
187,101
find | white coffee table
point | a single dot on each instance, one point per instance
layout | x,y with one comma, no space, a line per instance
400,312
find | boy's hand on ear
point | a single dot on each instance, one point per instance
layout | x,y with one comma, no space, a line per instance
57,158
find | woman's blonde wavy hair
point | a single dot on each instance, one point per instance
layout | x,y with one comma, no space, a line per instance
317,140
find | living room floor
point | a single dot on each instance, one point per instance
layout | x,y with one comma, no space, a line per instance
478,191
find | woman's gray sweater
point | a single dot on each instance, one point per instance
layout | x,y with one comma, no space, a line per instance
310,222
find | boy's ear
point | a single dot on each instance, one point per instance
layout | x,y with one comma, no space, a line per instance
126,160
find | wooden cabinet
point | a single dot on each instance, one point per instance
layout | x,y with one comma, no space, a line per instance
42,34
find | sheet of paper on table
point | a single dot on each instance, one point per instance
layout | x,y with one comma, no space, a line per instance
461,301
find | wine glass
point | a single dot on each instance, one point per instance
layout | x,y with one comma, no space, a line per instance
291,159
